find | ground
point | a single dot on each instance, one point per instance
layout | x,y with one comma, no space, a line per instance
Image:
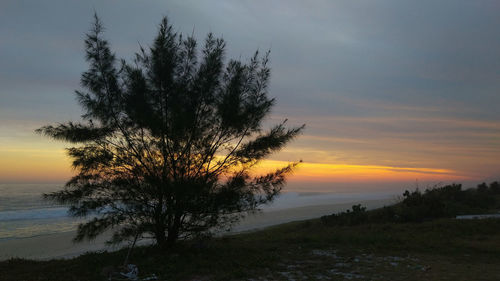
445,249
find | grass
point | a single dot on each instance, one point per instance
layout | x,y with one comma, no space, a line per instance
444,249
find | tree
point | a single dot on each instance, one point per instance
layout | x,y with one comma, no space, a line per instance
167,143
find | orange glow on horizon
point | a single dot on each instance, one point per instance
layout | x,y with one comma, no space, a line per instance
320,172
53,165
34,165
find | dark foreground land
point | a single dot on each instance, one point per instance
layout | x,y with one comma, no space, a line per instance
444,249
415,239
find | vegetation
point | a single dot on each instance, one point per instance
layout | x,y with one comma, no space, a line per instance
416,206
444,249
363,245
168,142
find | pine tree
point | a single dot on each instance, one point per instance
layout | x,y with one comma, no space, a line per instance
167,143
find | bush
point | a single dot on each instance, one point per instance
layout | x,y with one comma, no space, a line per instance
437,202
356,216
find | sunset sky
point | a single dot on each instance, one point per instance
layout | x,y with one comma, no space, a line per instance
391,91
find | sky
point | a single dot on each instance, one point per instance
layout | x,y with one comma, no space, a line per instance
392,92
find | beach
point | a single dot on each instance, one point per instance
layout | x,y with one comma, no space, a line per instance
60,245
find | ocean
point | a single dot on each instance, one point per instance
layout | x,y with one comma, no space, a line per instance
23,212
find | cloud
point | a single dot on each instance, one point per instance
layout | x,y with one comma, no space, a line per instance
390,83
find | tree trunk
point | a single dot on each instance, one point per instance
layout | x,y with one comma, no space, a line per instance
160,237
171,239
173,235
173,232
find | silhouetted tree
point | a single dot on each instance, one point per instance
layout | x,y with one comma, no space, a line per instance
167,143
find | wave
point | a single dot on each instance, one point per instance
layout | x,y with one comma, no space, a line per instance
34,214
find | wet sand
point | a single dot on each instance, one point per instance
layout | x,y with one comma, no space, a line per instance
60,245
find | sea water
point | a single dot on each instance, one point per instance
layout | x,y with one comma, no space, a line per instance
24,213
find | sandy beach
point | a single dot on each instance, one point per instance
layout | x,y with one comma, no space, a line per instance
60,245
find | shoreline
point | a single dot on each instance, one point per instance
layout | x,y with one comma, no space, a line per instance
60,245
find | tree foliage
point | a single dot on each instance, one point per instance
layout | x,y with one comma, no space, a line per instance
168,141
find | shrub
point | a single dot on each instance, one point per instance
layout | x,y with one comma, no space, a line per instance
416,206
